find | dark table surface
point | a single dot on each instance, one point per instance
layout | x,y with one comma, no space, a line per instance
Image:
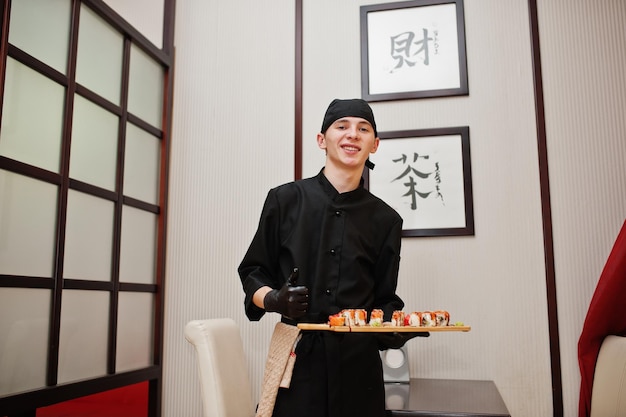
445,397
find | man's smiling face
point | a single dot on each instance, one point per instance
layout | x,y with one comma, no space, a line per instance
348,142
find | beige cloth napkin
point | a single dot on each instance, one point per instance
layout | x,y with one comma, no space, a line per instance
278,367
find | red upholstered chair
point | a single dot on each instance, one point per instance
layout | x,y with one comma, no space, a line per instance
606,317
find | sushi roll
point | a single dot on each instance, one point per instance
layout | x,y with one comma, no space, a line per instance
349,315
337,320
427,319
360,317
412,319
442,318
376,317
397,318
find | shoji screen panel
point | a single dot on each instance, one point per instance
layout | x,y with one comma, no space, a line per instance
81,203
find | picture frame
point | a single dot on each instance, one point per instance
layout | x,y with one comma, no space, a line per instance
426,176
413,49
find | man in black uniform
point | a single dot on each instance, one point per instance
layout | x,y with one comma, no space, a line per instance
345,243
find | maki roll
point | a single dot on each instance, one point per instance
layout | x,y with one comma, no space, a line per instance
337,320
442,318
427,319
376,317
397,318
412,319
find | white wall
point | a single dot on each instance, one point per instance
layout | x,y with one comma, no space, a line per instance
233,139
583,46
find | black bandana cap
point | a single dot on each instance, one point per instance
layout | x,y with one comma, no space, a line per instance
349,108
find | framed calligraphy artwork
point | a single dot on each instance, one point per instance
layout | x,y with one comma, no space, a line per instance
413,49
426,176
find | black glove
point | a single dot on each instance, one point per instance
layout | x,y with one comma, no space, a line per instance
396,340
290,301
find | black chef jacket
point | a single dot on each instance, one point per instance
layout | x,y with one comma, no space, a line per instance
347,249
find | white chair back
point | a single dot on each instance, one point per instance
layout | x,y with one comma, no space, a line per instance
608,396
223,373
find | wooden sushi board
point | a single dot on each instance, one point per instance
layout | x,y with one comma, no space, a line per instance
385,328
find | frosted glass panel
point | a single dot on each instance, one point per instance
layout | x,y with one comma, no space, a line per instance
32,117
145,95
83,337
141,166
88,237
94,144
134,331
137,257
145,15
28,210
24,325
100,53
42,29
